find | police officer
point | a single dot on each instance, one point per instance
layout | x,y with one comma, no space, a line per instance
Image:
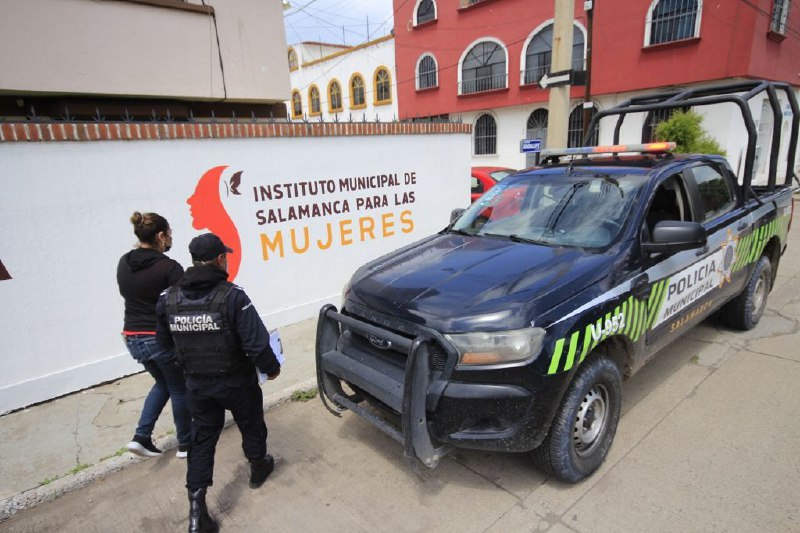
220,341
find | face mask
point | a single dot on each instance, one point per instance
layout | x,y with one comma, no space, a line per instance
167,248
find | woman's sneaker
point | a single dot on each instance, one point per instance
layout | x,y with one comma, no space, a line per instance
183,451
143,447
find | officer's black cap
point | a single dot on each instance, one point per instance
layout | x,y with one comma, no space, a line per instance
206,247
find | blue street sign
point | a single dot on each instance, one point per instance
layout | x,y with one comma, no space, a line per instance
530,145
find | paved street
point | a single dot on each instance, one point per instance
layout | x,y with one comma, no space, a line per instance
707,442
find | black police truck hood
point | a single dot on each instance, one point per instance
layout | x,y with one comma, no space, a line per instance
456,283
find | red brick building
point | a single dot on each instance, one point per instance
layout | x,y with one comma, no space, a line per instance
481,60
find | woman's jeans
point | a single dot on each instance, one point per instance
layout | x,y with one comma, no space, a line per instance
163,366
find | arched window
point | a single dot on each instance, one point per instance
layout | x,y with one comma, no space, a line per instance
672,20
485,135
314,101
539,53
426,72
334,97
292,59
383,86
357,99
483,68
426,10
297,104
536,128
575,128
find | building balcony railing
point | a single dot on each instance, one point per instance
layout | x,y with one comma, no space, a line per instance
531,76
486,83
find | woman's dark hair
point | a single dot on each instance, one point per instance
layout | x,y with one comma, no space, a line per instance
147,226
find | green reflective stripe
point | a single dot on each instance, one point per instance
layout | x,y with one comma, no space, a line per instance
640,318
742,251
588,342
634,309
605,323
559,347
624,313
655,294
662,293
628,316
573,346
755,250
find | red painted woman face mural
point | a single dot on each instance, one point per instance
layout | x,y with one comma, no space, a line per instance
207,211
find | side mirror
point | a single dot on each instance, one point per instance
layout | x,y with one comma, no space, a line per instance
455,213
674,236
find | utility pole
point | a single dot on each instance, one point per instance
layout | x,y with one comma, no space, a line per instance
558,115
588,6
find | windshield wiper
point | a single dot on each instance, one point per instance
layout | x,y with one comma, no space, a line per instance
516,238
460,232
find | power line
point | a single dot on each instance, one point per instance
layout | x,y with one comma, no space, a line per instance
397,82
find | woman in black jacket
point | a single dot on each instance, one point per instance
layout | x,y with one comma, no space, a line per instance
142,274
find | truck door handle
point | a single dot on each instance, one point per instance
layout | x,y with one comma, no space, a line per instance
702,251
742,226
640,287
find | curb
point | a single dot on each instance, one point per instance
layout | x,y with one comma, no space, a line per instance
70,482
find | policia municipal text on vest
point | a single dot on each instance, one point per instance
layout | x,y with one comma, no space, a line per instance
205,342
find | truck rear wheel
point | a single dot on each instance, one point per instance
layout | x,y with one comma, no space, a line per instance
585,423
745,310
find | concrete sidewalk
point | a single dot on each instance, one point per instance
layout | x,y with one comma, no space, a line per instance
58,446
706,442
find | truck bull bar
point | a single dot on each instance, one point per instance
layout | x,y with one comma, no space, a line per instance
404,390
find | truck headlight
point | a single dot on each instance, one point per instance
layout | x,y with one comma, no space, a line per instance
497,347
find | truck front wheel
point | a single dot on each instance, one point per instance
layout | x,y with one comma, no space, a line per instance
585,423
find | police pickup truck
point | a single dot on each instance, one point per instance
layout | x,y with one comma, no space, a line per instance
513,328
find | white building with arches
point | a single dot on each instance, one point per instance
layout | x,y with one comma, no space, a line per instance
331,82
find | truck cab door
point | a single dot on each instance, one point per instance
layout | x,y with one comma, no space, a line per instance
694,283
673,283
725,219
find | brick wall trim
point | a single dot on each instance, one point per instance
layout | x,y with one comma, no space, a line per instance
138,131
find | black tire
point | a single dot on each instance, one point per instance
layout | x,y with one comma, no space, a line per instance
585,423
745,310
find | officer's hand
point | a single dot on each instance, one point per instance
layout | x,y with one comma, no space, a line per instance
275,375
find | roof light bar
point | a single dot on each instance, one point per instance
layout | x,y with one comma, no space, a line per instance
612,149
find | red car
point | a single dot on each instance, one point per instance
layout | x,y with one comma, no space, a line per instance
484,178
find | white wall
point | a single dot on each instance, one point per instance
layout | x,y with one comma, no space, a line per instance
64,218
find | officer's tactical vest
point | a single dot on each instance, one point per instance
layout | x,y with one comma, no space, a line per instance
205,342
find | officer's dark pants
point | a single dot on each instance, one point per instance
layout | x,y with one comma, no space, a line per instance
208,400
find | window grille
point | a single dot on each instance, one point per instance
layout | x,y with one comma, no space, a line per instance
426,11
673,20
484,68
539,57
426,75
485,135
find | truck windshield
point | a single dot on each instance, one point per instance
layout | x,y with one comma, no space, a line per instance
581,210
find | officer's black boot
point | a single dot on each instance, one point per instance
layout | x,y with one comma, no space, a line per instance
260,469
199,519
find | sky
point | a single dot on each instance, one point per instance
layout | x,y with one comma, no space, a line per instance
337,21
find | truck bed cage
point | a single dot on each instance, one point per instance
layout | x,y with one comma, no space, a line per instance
727,93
